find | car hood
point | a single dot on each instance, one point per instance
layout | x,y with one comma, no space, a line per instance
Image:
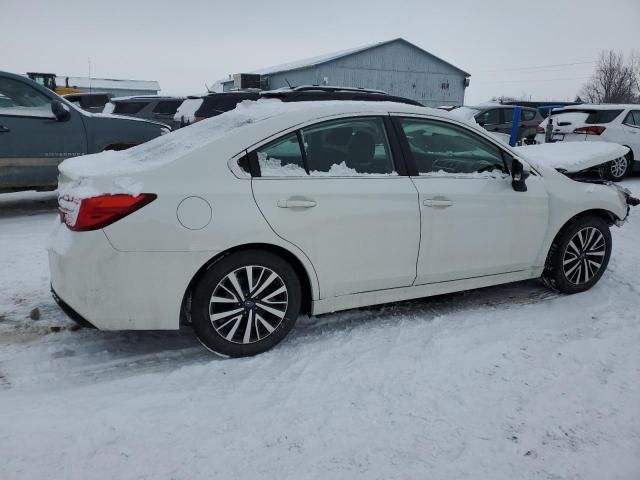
571,157
121,118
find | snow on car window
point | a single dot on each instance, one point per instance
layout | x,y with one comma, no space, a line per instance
342,170
274,167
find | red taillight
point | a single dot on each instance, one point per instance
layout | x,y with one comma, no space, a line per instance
198,119
539,129
590,130
98,212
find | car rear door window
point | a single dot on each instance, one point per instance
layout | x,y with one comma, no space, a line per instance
439,148
167,107
351,147
282,158
507,115
490,117
128,108
633,118
95,101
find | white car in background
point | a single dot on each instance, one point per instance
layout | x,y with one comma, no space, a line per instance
601,123
242,222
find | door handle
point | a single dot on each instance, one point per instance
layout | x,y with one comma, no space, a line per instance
4,129
293,203
438,203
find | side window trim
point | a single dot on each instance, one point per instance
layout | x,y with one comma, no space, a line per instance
412,167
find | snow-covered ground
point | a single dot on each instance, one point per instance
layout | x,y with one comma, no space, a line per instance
510,382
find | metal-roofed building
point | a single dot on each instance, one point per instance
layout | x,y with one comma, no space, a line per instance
118,88
396,66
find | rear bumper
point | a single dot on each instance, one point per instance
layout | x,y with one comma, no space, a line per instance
70,312
115,290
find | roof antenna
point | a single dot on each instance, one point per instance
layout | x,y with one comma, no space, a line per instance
207,87
285,79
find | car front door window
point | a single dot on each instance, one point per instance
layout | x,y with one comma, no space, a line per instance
22,100
438,148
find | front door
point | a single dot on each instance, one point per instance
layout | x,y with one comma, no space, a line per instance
334,191
473,222
32,141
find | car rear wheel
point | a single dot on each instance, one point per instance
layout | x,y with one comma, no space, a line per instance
246,303
618,169
578,256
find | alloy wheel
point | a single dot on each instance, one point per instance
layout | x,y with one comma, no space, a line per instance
248,304
618,167
584,255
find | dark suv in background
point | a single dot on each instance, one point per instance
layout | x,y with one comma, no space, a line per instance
156,108
500,119
197,108
90,102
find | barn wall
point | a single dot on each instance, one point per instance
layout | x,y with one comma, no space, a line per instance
397,68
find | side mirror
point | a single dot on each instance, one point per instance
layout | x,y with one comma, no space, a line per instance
482,123
60,111
519,174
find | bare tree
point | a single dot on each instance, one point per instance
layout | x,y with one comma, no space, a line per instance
615,80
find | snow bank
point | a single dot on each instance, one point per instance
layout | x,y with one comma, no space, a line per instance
572,156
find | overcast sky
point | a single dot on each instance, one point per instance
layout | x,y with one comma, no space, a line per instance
545,49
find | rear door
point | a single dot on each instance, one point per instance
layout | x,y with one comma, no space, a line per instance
337,191
32,141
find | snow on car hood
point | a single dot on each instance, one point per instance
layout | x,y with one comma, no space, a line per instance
109,171
572,157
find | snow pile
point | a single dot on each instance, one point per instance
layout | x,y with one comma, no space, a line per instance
572,156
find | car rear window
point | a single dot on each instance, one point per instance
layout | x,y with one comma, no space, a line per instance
592,116
528,115
128,108
95,100
217,104
167,107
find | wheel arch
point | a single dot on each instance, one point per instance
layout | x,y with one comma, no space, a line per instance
606,215
303,274
633,157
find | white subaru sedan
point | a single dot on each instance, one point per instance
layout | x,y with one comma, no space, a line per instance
240,223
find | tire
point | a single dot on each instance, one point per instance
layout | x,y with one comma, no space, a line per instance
232,319
570,268
618,169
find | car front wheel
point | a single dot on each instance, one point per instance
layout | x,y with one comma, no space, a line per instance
579,255
618,169
246,303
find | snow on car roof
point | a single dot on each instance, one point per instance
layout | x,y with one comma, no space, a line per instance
77,172
605,106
